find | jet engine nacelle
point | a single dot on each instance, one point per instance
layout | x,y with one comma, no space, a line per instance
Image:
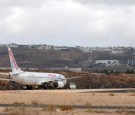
60,84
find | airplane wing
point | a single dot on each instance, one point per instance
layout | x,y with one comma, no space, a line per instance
59,79
72,78
1,79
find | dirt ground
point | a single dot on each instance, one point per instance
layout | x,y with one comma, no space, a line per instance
103,103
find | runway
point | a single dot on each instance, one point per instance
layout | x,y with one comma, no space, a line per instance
76,90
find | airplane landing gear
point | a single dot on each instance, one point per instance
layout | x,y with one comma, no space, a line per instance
27,87
45,86
55,84
49,85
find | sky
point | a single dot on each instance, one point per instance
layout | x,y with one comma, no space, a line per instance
90,23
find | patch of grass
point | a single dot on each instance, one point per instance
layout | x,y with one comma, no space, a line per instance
111,94
101,111
18,111
66,107
89,109
125,112
34,103
19,103
24,111
49,108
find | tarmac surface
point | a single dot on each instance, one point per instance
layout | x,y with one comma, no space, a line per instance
78,90
105,101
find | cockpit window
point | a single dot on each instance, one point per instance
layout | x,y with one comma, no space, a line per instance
59,77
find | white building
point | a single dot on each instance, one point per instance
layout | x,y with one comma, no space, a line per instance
13,45
117,52
107,62
46,47
60,48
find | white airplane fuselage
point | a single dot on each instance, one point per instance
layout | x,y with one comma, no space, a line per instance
37,78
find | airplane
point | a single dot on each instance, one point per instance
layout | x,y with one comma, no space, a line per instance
31,80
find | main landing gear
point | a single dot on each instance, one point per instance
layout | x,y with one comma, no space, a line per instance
50,85
27,87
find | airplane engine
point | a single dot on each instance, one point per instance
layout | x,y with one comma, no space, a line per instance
59,84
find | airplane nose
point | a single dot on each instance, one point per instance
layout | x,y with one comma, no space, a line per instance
64,79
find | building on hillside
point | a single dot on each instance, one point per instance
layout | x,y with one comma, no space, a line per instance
12,45
3,45
46,47
62,48
107,62
117,52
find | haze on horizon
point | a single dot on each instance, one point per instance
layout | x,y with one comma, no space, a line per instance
68,22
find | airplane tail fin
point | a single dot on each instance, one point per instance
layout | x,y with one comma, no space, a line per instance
14,66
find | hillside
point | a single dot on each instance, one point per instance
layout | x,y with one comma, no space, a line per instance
36,58
40,58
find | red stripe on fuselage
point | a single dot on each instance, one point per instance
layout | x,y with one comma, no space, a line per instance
52,75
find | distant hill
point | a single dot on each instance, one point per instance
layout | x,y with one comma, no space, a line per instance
40,58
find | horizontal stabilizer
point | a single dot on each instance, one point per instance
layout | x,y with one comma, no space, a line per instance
6,79
5,74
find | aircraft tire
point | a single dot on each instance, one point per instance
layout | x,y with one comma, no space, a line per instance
29,87
45,86
55,84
